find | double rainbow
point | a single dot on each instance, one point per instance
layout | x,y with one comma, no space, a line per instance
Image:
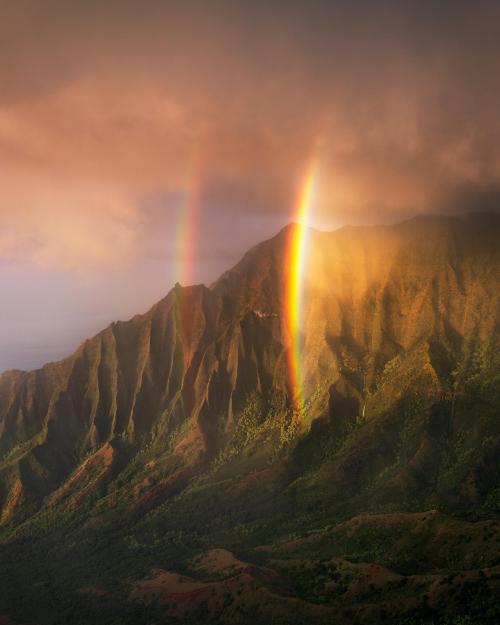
296,258
295,263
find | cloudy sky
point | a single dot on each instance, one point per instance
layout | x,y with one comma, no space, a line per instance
144,142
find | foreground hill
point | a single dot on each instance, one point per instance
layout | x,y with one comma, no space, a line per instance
172,435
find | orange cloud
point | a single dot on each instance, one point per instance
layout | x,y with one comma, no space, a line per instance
103,106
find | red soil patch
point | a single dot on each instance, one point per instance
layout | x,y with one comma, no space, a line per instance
90,475
15,498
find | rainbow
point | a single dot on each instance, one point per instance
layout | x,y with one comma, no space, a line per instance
186,226
295,262
187,214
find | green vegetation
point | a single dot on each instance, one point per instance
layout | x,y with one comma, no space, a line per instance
49,559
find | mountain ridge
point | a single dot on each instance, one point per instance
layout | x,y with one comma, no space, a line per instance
180,419
466,216
249,286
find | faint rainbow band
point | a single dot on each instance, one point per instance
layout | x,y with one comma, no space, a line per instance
187,225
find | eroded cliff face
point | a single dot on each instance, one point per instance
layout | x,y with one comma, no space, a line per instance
185,364
385,310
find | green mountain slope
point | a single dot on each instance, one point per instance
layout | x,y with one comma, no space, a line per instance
172,435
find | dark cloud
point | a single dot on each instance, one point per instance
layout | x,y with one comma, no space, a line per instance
473,199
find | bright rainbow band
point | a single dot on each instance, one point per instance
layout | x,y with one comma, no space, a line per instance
296,261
